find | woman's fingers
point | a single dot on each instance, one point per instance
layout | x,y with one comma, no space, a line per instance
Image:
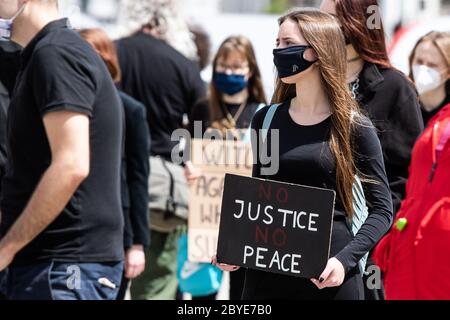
130,272
227,267
316,283
326,273
223,266
330,282
323,277
329,277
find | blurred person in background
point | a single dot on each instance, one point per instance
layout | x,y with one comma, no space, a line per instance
135,165
9,63
235,94
415,255
164,20
236,90
4,101
157,70
9,66
202,41
385,94
430,70
166,81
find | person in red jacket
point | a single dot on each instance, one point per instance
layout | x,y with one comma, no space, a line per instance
415,255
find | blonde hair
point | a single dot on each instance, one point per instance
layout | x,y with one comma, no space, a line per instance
441,40
324,35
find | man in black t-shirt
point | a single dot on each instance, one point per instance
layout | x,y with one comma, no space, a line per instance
62,227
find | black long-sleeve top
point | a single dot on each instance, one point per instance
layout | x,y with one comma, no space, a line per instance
305,158
9,64
135,173
4,101
201,112
390,100
428,115
9,68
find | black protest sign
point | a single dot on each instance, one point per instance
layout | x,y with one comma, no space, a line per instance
275,227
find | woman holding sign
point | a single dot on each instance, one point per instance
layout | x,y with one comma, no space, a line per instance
235,94
323,142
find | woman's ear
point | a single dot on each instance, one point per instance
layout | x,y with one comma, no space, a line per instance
310,55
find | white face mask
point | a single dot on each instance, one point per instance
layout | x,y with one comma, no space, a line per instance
426,78
6,25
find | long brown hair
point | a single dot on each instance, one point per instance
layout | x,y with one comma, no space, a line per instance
100,41
441,40
255,87
369,43
323,33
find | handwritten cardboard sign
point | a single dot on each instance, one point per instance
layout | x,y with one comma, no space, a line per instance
214,159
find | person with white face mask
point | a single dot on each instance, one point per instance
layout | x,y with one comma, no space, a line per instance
430,71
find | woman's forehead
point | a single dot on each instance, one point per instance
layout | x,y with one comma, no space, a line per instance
231,56
289,26
289,29
427,50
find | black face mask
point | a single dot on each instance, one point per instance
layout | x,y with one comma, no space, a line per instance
290,61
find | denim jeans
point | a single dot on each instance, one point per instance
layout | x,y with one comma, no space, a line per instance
64,281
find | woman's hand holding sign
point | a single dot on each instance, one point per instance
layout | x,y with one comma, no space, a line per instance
332,276
223,266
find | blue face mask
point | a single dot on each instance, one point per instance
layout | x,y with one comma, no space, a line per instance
229,84
290,61
6,25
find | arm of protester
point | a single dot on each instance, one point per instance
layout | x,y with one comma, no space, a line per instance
68,135
370,163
